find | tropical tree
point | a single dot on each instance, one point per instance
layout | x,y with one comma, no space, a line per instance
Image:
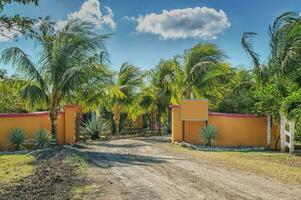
202,74
65,56
278,81
239,95
124,95
158,94
99,84
282,71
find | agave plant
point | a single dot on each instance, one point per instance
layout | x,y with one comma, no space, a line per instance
94,128
17,138
41,137
208,134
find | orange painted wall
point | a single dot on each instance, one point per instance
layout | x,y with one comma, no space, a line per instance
233,129
30,122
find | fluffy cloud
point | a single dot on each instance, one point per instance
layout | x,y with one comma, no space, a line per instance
90,11
202,23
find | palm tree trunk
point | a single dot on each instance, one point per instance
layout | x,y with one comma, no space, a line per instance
78,122
117,124
53,118
116,119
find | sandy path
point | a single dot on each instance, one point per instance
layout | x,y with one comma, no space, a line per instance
146,168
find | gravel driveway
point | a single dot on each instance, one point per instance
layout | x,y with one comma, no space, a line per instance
148,168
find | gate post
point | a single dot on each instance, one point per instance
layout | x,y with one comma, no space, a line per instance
287,133
269,130
282,136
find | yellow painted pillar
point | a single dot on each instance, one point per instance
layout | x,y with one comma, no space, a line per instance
176,127
70,115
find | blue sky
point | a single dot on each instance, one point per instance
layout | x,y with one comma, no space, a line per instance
145,31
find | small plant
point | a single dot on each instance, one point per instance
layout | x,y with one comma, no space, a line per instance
94,128
17,138
41,138
208,133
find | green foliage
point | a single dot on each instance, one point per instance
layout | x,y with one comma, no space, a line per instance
41,138
239,96
126,96
17,138
208,133
94,128
268,100
16,23
11,96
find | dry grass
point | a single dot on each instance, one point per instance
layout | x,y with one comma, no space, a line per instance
15,167
283,167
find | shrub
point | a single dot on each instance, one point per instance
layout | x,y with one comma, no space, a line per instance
208,133
17,138
94,128
41,138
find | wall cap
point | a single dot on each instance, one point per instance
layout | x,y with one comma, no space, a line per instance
31,114
234,115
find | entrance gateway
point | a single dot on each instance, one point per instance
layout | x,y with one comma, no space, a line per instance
193,110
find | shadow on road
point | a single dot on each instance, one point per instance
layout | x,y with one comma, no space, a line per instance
122,145
155,139
107,160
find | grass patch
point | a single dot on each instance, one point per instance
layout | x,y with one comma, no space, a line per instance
79,192
80,166
15,167
281,166
78,162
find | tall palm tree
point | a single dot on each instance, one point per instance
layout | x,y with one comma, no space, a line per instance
125,95
159,92
65,56
203,73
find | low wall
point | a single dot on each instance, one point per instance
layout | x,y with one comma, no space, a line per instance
233,129
30,122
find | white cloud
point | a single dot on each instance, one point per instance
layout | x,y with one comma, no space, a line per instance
202,23
90,11
130,18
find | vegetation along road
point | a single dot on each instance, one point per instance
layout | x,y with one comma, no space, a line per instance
152,168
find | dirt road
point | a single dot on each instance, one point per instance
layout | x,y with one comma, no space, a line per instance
148,168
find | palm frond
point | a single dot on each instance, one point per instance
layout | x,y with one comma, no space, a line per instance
24,66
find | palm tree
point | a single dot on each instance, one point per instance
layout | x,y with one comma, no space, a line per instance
99,79
203,73
124,96
65,56
158,95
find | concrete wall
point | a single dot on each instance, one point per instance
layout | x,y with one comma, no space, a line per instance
30,122
233,129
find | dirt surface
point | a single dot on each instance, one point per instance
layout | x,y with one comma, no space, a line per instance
54,178
148,168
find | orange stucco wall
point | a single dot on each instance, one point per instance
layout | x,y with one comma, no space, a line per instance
233,129
30,122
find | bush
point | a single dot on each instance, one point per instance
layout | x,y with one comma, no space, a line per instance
41,138
94,128
17,138
208,133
